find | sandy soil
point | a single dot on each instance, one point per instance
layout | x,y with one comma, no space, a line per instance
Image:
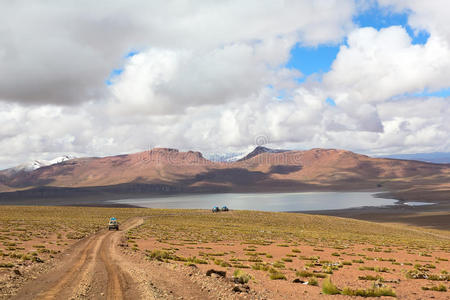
343,276
102,267
89,269
106,266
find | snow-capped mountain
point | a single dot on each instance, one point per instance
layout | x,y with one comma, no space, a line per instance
225,157
36,164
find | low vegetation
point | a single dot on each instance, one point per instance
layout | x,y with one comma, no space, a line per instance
261,250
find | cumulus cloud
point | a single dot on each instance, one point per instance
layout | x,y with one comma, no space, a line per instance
208,76
431,16
61,53
377,65
161,81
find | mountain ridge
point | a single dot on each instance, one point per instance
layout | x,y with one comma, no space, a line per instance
162,170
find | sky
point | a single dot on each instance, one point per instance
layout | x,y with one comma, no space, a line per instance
97,78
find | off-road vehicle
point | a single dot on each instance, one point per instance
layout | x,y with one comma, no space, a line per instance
113,224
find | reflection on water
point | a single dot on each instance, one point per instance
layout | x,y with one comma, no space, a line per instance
264,201
414,203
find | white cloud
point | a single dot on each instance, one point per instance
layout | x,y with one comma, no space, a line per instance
208,75
58,52
431,16
161,81
377,65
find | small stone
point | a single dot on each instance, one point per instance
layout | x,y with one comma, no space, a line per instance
219,273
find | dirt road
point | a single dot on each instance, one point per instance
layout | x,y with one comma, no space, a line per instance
92,269
97,267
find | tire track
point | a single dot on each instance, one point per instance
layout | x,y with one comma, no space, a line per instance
120,284
70,276
114,288
75,277
95,268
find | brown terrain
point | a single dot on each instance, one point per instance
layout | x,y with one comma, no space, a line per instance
96,268
195,254
162,170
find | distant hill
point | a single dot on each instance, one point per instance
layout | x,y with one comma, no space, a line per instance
259,150
164,170
434,157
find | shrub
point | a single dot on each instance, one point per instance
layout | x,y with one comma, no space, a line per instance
240,276
260,266
6,265
225,264
415,274
279,264
276,275
437,288
160,255
329,288
304,273
371,292
370,277
197,260
313,282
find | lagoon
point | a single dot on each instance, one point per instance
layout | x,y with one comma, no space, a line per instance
276,202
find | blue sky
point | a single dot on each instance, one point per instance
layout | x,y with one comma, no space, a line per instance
310,60
116,72
426,93
318,60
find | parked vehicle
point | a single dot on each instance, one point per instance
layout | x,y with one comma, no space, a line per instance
224,208
113,224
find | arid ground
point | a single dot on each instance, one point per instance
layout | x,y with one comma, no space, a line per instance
67,253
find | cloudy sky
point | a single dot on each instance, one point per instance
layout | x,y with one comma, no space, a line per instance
108,77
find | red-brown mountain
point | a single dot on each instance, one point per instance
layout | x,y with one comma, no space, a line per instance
163,170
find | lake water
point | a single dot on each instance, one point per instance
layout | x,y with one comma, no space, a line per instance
418,203
265,201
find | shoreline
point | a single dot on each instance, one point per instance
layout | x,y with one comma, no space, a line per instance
435,216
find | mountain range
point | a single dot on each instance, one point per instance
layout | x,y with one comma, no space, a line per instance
165,170
36,164
434,157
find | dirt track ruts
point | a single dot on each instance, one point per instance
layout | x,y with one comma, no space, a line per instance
93,270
